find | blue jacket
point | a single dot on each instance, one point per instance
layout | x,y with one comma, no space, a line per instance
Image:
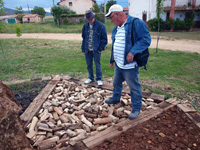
99,36
141,37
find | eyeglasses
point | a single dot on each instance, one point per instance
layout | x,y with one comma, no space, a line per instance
112,15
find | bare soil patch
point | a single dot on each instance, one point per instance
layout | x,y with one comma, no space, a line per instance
170,130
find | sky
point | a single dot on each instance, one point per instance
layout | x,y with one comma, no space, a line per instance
46,4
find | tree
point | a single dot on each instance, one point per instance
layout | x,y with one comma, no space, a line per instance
18,10
2,7
57,11
95,8
38,10
66,10
109,4
159,11
101,7
2,25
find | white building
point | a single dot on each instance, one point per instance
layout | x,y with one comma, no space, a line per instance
79,6
146,9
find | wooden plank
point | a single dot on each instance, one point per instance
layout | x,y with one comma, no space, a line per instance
113,131
36,104
157,97
127,124
186,108
172,101
196,119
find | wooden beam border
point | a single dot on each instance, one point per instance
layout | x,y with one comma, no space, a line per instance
36,104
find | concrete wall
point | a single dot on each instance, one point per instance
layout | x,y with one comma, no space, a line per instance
136,8
32,19
79,6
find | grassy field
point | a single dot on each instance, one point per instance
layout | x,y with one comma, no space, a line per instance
31,58
49,27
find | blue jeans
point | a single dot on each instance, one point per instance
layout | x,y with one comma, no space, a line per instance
132,79
89,56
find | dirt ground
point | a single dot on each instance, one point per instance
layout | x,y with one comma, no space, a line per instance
171,130
180,45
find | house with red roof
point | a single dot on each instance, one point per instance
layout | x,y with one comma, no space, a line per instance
32,18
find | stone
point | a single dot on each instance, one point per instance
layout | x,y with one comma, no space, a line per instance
12,134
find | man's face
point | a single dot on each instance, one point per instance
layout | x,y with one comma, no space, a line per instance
92,21
114,18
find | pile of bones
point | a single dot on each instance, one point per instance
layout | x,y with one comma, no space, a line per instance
74,112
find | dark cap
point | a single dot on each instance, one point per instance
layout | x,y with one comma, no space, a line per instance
89,15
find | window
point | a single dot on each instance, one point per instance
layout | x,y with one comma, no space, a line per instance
70,3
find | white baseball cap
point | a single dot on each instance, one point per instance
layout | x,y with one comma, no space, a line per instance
114,8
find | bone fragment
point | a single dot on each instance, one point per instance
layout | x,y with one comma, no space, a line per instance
103,120
51,125
80,112
124,101
84,120
80,137
45,129
42,125
55,116
41,138
64,119
81,105
49,143
127,112
115,119
58,110
32,128
90,115
100,128
45,116
87,105
71,133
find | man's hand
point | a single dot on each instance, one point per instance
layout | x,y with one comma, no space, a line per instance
99,51
83,53
129,57
111,65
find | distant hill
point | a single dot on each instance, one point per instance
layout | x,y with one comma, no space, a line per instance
9,11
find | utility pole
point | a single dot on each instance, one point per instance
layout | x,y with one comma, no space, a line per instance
28,9
105,10
53,3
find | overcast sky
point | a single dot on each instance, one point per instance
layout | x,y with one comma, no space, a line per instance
46,4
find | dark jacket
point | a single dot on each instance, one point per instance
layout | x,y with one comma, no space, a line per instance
141,37
99,36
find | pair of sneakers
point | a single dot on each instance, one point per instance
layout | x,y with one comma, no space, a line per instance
132,115
99,82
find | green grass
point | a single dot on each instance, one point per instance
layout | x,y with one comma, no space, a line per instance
32,58
194,35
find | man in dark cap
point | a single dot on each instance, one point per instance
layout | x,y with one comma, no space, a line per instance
94,41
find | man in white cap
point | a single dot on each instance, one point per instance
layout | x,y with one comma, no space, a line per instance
94,42
130,36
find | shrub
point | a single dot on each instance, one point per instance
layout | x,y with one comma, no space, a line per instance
100,17
188,23
169,23
2,27
21,18
65,21
153,24
18,29
179,25
81,20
